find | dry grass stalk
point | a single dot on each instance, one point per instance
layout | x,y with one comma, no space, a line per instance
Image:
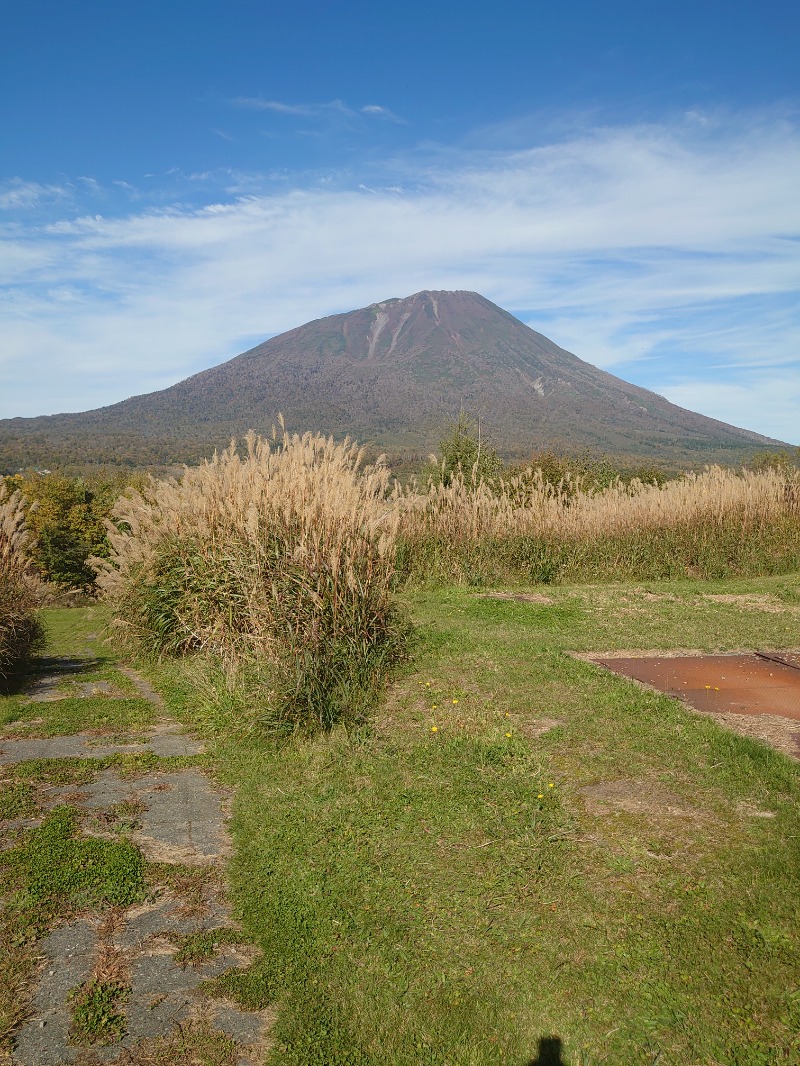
20,630
707,524
285,552
15,538
530,506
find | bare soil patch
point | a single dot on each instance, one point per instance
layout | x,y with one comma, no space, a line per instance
537,727
520,597
643,797
768,604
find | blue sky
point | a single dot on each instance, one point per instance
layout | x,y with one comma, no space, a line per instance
180,181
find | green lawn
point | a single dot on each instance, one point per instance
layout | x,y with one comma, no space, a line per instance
468,876
77,638
460,881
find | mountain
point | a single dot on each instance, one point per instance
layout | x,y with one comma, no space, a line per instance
392,375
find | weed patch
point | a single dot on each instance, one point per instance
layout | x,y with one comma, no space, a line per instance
196,948
103,715
97,1013
17,800
189,883
56,869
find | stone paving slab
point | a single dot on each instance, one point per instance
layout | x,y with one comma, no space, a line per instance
150,920
162,993
91,746
68,956
182,819
176,816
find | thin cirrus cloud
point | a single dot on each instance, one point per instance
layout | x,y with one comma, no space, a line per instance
315,110
666,253
17,194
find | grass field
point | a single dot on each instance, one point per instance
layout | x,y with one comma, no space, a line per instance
73,638
522,859
469,876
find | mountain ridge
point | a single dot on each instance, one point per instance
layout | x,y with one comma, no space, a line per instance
392,375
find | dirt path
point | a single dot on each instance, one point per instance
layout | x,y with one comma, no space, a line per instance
130,982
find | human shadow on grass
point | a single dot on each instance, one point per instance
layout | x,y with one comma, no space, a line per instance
32,674
55,664
549,1052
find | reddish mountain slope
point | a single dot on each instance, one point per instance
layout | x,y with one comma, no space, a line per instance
392,375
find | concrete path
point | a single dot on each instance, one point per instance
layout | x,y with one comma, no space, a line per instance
177,818
164,740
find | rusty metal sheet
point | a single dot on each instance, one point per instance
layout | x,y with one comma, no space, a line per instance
752,684
788,658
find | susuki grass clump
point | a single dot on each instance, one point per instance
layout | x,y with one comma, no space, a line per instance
279,561
20,629
712,524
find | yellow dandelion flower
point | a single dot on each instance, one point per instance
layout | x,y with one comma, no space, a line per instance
434,729
551,785
455,701
540,796
434,706
508,734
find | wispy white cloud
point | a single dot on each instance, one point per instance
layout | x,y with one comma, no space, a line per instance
316,110
90,184
382,112
17,194
258,103
662,252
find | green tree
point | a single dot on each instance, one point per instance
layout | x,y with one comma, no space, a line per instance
783,460
67,518
466,448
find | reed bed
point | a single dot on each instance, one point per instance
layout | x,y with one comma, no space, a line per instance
279,561
282,560
712,524
20,629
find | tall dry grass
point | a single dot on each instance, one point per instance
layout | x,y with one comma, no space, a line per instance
20,629
711,524
282,556
281,560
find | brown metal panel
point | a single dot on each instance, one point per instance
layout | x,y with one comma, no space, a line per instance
753,684
788,658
